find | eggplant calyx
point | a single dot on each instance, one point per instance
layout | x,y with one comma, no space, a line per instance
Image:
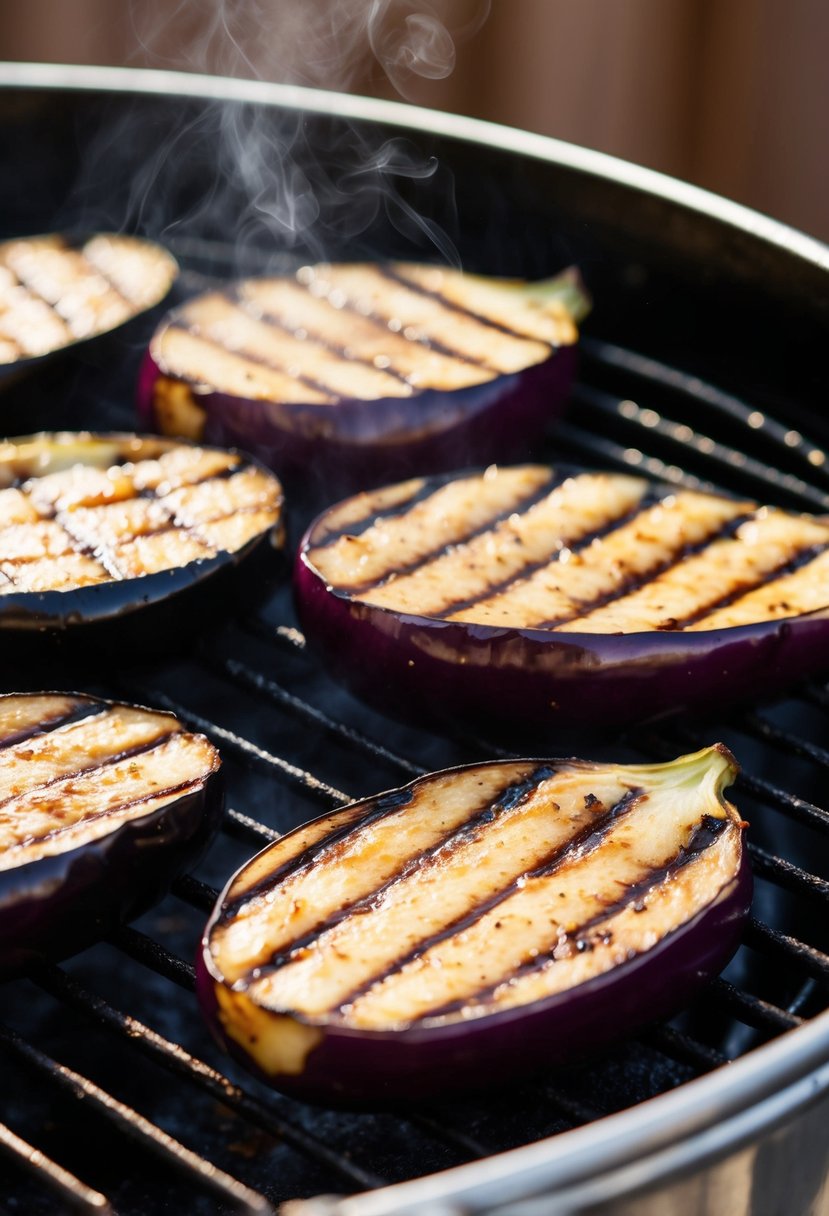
565,290
708,772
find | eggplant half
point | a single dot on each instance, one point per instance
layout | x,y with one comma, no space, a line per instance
98,529
346,375
56,291
101,805
530,597
477,923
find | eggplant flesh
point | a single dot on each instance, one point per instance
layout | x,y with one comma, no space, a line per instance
550,596
371,365
480,921
101,804
56,291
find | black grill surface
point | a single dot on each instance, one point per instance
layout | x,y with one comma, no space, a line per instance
114,1095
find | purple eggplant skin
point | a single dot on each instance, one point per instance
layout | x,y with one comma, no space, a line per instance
355,1068
322,452
519,684
57,905
153,614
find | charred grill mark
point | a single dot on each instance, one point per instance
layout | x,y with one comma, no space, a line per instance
315,852
706,833
797,562
273,365
586,841
87,709
100,766
482,318
629,585
168,791
516,508
575,545
358,527
440,348
100,550
267,316
513,796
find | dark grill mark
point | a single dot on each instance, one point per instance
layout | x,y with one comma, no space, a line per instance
480,317
359,526
442,348
316,386
261,312
635,583
111,810
516,508
706,833
574,544
87,709
315,852
800,559
580,845
127,754
513,796
103,551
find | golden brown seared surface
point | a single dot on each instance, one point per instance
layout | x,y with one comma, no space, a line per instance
590,553
53,294
478,889
361,331
73,769
94,514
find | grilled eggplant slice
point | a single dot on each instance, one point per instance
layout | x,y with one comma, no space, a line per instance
57,291
97,529
101,805
530,597
345,375
480,921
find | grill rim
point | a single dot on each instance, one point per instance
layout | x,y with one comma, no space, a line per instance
772,1082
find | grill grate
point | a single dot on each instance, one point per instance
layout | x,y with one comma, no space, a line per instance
295,745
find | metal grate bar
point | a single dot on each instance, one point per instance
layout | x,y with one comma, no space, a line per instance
242,748
245,678
178,1061
682,436
199,894
762,937
786,874
134,1125
762,729
680,1046
762,1015
74,1193
607,354
237,824
153,955
589,446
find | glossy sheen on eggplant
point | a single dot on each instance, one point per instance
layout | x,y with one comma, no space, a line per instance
101,804
478,921
540,596
355,371
56,291
95,527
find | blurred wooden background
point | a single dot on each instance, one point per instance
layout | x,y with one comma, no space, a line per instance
731,94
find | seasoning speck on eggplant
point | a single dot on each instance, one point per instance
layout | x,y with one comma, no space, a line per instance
101,804
351,370
55,292
584,598
479,921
